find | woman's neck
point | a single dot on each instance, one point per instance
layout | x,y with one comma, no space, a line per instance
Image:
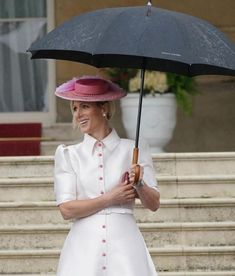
102,133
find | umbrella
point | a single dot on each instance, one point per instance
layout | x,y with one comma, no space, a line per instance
141,37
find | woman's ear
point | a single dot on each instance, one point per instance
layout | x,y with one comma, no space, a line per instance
104,108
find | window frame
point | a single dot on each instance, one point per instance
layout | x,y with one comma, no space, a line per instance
47,118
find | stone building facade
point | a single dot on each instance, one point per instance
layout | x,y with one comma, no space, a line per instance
212,124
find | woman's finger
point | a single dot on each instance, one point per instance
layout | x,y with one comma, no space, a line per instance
130,193
128,187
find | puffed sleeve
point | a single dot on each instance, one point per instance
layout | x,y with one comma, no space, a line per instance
145,160
64,176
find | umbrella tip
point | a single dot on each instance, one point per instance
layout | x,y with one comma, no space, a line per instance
149,7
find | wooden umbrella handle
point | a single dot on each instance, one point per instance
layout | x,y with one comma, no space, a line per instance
135,161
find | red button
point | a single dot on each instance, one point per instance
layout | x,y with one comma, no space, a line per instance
103,226
100,145
104,241
104,255
100,154
104,267
101,166
101,178
102,192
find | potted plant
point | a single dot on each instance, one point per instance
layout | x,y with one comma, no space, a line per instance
163,91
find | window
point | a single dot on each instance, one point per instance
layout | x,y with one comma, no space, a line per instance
24,82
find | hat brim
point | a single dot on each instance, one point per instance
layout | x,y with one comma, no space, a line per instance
73,96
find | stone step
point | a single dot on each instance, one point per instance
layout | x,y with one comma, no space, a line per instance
194,258
172,259
49,147
21,213
172,210
173,273
189,186
165,163
179,164
196,273
26,189
205,163
26,166
155,234
41,188
188,234
189,210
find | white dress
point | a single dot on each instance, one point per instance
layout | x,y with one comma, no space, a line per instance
109,242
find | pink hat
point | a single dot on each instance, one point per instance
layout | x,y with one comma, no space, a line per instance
90,89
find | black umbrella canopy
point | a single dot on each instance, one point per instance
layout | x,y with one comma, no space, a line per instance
144,38
137,37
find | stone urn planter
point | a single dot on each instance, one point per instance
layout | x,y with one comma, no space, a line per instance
157,122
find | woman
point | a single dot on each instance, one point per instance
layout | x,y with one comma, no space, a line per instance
90,188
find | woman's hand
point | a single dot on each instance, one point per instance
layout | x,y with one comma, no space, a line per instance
149,197
132,173
121,194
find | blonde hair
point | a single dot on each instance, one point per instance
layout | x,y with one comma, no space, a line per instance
110,113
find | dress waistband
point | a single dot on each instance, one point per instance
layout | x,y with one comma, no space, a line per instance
116,210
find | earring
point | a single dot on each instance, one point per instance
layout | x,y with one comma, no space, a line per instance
104,114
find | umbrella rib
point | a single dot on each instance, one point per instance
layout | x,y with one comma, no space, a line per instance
100,38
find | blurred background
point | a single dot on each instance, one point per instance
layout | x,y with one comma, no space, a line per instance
27,87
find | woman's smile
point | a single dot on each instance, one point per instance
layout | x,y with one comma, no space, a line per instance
83,122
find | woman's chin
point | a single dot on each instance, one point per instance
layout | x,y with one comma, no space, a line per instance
84,129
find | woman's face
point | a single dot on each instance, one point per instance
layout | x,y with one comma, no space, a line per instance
89,117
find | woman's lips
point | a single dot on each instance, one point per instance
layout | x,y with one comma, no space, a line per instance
83,122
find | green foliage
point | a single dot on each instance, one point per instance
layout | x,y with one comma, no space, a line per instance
184,88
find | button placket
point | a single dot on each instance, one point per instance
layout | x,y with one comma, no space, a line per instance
104,245
103,226
100,167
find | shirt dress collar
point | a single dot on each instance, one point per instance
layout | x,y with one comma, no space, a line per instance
109,142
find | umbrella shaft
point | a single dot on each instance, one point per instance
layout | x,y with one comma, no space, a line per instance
139,108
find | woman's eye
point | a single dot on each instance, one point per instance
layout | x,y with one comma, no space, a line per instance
74,109
85,106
